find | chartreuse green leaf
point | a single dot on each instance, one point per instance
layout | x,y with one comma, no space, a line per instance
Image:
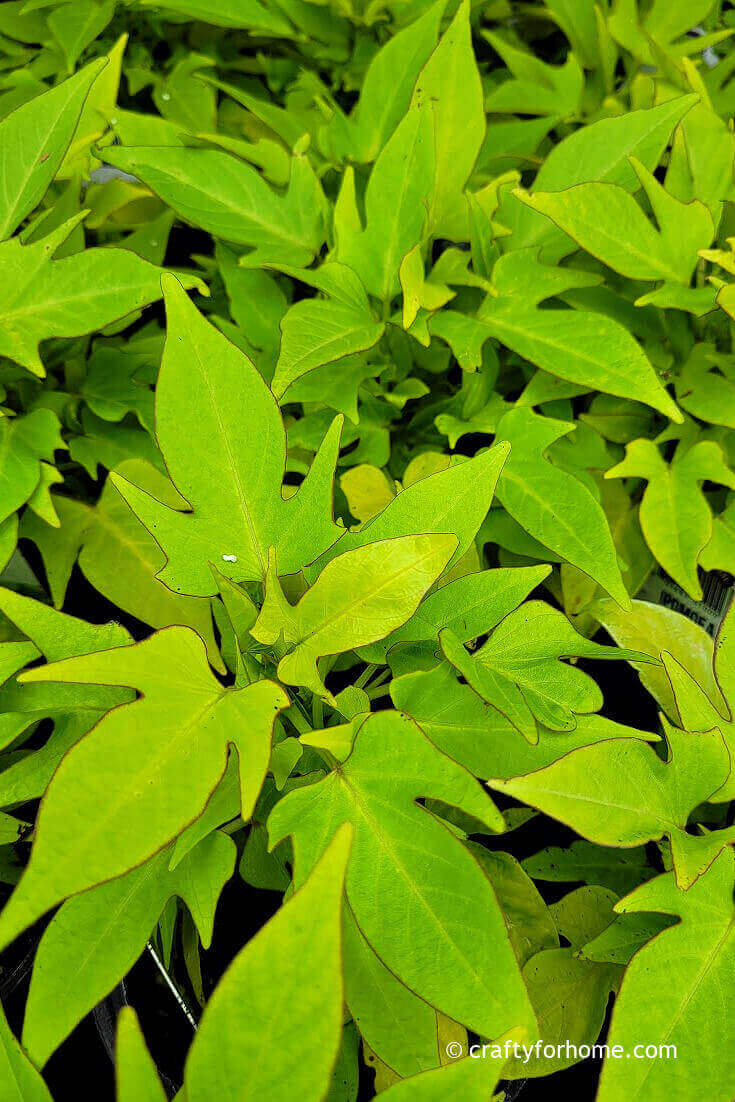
719,554
319,331
660,30
273,1025
474,1079
229,468
69,297
724,656
468,607
398,894
183,723
257,302
250,15
276,121
449,85
419,292
598,152
27,775
14,656
706,386
56,636
8,539
605,220
618,870
337,386
105,444
701,153
33,141
97,936
11,829
655,629
622,794
135,1073
569,994
386,90
675,516
553,505
19,1077
695,708
529,921
359,597
230,199
618,942
399,1027
453,501
119,556
223,807
367,489
677,991
396,204
581,346
480,737
97,114
536,88
27,446
518,669
75,28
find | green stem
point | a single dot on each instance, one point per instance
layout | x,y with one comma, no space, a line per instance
365,676
298,717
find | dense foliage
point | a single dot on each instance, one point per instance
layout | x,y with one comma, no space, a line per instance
368,397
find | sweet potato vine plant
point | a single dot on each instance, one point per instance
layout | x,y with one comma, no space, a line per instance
367,382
